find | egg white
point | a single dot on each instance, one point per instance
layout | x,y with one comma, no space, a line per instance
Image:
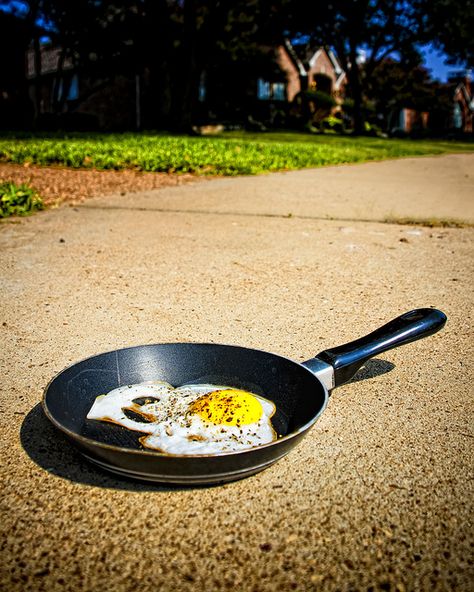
110,407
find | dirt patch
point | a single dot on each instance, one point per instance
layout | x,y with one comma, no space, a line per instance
57,185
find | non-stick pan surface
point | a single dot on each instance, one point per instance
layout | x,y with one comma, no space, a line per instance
299,391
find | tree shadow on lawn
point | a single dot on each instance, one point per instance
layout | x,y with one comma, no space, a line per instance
49,449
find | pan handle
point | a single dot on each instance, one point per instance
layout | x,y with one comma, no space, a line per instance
347,359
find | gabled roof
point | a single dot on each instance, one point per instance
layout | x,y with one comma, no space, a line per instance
294,56
305,56
461,87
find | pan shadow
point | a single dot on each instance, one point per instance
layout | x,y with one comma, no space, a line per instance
371,369
49,449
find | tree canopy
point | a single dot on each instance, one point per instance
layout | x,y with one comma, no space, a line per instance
450,24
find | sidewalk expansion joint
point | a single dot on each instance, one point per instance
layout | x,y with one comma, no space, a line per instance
430,223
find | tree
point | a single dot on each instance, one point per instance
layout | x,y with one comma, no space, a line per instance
15,106
26,29
394,86
362,32
168,43
450,23
397,85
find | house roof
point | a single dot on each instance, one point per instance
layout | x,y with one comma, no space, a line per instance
293,53
50,58
462,88
305,52
305,56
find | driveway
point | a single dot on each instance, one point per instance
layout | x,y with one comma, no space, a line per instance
379,494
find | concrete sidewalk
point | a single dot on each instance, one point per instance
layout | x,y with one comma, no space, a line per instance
423,189
379,494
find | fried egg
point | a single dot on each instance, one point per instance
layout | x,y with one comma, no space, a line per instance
190,420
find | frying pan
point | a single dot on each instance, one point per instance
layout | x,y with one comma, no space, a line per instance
299,391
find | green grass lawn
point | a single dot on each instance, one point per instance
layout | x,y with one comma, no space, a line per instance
232,153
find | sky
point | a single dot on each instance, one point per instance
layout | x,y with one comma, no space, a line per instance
435,62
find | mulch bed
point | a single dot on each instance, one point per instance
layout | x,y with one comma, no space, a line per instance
57,185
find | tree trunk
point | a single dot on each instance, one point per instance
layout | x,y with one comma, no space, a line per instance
356,89
187,89
161,95
58,100
37,80
159,64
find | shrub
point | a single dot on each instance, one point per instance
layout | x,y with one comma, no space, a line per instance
18,200
310,107
320,100
348,106
333,123
371,129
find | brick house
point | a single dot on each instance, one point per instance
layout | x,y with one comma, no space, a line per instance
458,120
270,83
304,67
463,109
236,92
409,120
50,86
80,100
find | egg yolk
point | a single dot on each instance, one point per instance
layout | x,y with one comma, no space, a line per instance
230,407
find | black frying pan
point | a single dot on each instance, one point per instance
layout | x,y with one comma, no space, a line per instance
300,392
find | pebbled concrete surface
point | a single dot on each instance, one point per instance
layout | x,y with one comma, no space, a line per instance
379,494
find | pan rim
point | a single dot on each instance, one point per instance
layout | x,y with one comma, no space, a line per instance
155,454
200,478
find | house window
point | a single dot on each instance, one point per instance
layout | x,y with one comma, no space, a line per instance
72,89
267,91
202,88
278,91
457,116
263,91
402,120
73,93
